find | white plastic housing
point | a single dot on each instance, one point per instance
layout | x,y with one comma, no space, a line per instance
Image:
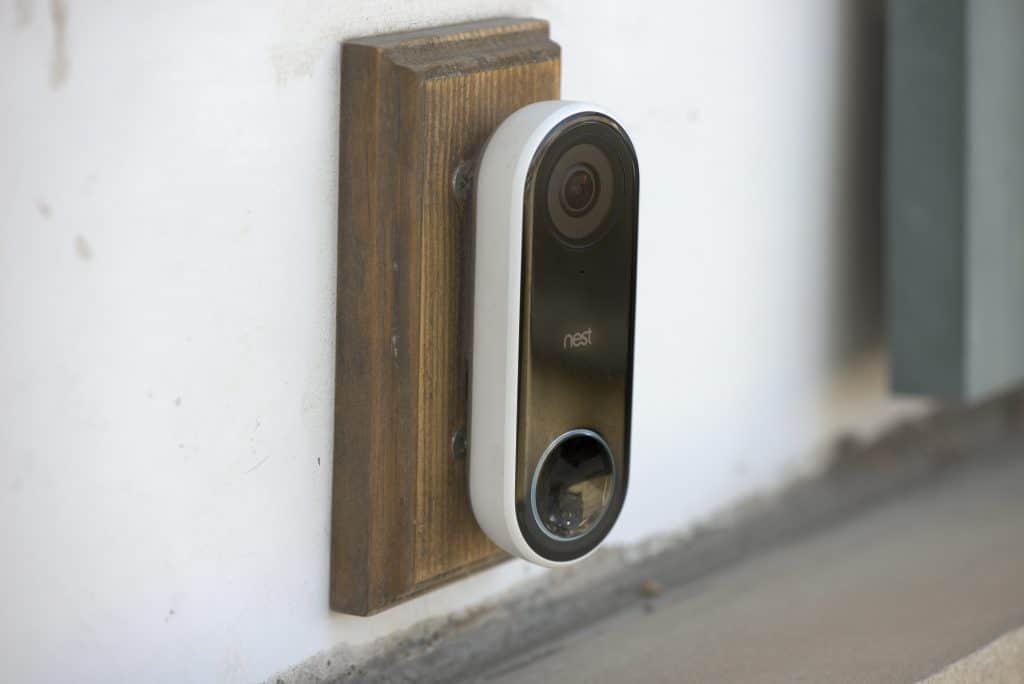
500,192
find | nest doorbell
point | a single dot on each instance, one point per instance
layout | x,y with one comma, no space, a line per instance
554,298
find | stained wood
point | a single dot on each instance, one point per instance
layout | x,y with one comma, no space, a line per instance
413,107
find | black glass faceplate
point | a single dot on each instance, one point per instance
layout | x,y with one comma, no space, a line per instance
576,336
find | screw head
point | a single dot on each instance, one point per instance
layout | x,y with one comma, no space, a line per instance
459,446
462,181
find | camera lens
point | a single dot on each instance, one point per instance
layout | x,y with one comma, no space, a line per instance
573,485
579,190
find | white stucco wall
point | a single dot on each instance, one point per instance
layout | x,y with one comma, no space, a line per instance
168,185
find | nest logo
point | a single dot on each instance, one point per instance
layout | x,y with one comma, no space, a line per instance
576,340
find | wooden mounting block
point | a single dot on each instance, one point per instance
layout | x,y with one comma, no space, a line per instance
413,107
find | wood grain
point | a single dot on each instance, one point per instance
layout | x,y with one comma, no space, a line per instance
414,106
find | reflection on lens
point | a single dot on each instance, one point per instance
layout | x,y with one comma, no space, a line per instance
579,190
573,484
580,193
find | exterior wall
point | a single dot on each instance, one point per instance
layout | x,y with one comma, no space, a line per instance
994,244
168,186
953,170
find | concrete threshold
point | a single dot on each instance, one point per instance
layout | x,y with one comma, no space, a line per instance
893,594
897,564
1001,662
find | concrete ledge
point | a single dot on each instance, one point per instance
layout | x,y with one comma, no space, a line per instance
1001,662
541,615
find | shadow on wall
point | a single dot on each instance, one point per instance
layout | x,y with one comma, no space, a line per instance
855,299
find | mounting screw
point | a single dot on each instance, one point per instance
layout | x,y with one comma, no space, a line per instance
459,444
462,181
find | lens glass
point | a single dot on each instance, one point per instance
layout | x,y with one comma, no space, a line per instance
573,485
579,190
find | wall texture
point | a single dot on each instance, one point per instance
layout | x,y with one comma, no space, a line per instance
168,179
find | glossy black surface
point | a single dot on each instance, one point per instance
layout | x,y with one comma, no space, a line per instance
573,485
576,337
